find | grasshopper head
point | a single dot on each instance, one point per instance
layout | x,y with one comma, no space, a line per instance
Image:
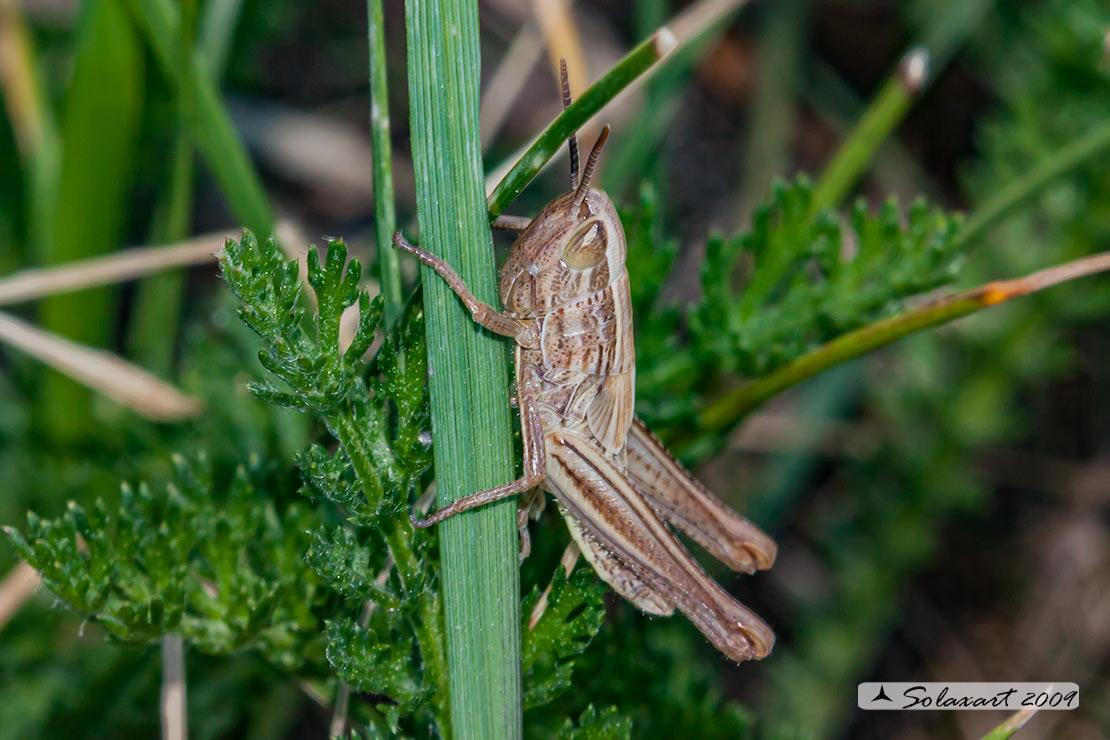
572,249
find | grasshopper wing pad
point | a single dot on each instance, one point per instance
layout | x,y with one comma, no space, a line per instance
605,504
609,415
687,504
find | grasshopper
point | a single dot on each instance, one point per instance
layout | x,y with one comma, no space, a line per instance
567,305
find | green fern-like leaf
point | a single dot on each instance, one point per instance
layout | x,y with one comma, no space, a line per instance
799,278
215,565
573,617
384,667
376,408
607,724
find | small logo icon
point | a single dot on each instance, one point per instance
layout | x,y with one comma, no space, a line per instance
881,696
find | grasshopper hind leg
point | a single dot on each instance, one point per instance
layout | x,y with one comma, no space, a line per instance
623,527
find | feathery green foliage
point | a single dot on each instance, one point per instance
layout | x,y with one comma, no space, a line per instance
594,725
212,563
809,279
376,411
573,616
794,280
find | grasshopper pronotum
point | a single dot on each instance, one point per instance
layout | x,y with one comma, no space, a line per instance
567,304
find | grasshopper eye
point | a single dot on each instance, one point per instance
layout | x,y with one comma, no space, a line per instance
586,247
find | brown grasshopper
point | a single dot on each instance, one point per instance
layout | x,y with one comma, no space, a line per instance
567,304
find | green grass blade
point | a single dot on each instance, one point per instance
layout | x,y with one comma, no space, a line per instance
638,61
385,214
99,131
918,68
212,128
217,28
32,121
1010,725
1091,145
157,308
468,376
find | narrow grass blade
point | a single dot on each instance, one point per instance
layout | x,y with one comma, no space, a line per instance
99,132
686,29
221,17
570,120
211,126
17,587
385,214
1095,143
513,71
914,73
468,377
175,717
555,19
1012,724
32,121
156,313
696,30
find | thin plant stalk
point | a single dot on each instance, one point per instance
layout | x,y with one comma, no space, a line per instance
175,716
555,19
681,41
385,214
912,76
724,412
153,331
1093,144
342,702
157,308
548,144
468,374
117,267
834,101
513,71
885,112
33,124
781,49
220,19
696,30
100,371
1011,724
16,589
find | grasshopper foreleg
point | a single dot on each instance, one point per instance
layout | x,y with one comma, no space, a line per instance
482,313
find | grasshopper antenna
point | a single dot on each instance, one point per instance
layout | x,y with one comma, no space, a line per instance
572,140
588,173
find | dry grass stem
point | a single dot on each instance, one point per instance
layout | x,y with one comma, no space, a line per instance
560,33
101,371
16,588
508,80
124,265
175,722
